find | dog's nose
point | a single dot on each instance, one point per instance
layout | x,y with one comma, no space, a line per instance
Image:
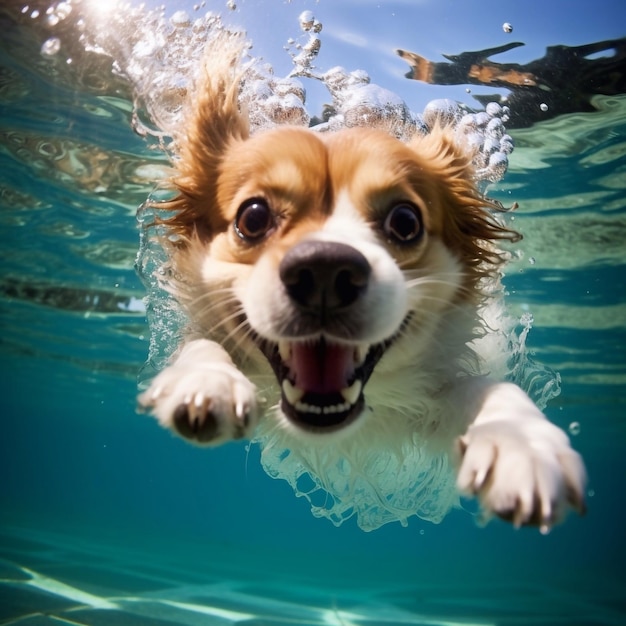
323,276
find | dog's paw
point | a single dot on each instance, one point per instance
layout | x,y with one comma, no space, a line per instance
525,473
205,403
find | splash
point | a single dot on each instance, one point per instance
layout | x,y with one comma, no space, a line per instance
157,56
375,487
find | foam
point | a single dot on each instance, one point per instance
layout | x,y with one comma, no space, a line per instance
351,478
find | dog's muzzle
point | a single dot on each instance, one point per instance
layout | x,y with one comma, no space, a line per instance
322,375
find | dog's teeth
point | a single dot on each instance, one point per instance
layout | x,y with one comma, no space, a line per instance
293,394
360,354
284,349
308,408
336,408
351,394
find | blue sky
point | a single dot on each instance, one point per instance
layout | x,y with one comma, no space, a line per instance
363,34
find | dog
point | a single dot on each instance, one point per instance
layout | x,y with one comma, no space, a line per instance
333,284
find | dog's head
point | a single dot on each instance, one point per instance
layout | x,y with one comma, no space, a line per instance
321,251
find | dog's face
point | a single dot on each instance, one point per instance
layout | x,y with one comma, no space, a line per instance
322,252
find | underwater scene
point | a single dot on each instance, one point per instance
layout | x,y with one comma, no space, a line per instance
108,519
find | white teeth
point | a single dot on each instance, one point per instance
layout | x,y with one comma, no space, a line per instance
318,410
351,394
284,349
336,408
308,408
360,354
293,394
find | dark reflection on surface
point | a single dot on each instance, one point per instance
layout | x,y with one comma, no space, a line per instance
563,81
71,298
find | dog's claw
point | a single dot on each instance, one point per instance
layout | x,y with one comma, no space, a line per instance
156,392
205,403
192,424
517,481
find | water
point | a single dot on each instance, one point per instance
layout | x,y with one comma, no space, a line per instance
106,519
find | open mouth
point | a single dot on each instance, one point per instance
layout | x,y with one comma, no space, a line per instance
322,380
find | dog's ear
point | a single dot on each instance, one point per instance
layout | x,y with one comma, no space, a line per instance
472,226
211,120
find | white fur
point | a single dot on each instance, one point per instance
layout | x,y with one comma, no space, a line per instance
204,379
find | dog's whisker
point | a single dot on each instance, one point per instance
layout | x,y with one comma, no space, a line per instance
214,305
242,338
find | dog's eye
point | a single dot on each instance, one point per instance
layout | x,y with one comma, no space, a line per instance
404,223
254,219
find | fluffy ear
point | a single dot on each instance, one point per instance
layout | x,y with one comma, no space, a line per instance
211,121
472,227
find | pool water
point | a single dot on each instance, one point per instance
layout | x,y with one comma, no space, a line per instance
106,519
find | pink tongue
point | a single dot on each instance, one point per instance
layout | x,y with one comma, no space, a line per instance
321,367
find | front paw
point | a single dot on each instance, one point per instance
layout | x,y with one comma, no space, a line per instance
207,404
528,475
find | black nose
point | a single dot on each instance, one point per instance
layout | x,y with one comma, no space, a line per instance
324,276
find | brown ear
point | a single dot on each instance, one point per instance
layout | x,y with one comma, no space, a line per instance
210,122
472,227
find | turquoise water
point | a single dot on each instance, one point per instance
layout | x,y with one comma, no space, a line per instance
107,519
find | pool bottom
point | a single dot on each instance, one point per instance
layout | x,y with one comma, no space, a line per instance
51,578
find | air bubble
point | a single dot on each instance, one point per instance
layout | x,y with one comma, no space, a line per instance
51,46
493,109
574,428
526,320
543,106
482,118
180,19
532,260
507,27
444,111
495,127
307,20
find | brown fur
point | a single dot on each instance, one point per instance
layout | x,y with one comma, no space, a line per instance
221,166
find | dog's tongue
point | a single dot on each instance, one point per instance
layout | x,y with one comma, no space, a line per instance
321,367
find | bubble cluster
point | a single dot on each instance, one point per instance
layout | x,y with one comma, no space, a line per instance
483,133
358,102
159,56
375,486
57,13
273,101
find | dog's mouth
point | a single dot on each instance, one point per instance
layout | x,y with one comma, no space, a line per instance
322,380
